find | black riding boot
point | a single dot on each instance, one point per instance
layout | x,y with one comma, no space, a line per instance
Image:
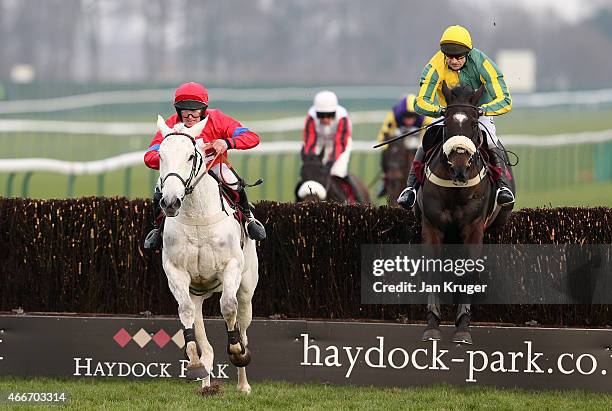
254,228
407,198
153,240
504,195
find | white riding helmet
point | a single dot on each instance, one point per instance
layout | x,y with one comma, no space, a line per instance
326,102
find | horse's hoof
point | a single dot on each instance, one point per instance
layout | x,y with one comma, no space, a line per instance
245,389
463,337
196,373
241,360
432,334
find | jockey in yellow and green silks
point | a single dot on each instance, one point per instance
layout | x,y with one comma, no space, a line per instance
458,62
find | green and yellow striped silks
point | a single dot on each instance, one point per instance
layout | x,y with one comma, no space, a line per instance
478,70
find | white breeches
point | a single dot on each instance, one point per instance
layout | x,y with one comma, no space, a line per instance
487,121
223,172
340,167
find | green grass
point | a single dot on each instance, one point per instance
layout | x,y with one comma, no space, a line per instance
546,176
281,188
564,186
92,147
537,121
588,195
175,394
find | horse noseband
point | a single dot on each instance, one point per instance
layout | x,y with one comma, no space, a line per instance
469,159
195,169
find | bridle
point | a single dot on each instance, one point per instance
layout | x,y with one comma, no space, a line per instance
476,130
196,165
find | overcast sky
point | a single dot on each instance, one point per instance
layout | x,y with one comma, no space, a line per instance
569,10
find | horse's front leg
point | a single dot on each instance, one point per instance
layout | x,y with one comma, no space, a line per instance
473,233
472,236
238,353
206,349
432,235
245,315
178,282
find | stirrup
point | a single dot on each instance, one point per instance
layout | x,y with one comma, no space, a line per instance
501,190
153,240
254,228
403,199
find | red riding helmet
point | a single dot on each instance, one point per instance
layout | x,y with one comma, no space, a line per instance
191,96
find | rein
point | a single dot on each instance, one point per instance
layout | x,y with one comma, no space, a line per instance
401,136
189,190
196,166
431,176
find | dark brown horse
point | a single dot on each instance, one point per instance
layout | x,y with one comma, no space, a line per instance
316,183
396,161
457,201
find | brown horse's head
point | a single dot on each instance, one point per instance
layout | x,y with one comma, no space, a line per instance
396,162
462,132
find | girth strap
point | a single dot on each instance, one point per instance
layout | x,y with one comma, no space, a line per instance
450,183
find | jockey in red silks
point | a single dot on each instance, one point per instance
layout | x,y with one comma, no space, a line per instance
220,134
328,128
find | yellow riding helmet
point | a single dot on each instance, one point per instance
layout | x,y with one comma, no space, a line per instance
456,40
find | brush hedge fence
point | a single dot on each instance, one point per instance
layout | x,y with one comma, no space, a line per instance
85,255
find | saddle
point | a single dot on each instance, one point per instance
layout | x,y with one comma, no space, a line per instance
231,196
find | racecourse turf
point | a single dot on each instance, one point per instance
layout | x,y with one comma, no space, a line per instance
178,394
546,176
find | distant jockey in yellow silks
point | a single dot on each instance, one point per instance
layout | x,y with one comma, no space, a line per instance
400,119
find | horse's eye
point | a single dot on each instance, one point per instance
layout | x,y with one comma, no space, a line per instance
191,157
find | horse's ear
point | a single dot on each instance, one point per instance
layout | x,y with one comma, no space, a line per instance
195,130
162,126
446,91
322,154
477,95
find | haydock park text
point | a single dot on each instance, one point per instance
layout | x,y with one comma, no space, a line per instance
525,360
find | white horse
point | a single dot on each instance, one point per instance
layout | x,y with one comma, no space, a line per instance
204,251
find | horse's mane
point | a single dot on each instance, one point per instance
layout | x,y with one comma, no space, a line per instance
462,93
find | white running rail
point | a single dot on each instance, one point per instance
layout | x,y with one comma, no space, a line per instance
243,95
281,147
148,128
